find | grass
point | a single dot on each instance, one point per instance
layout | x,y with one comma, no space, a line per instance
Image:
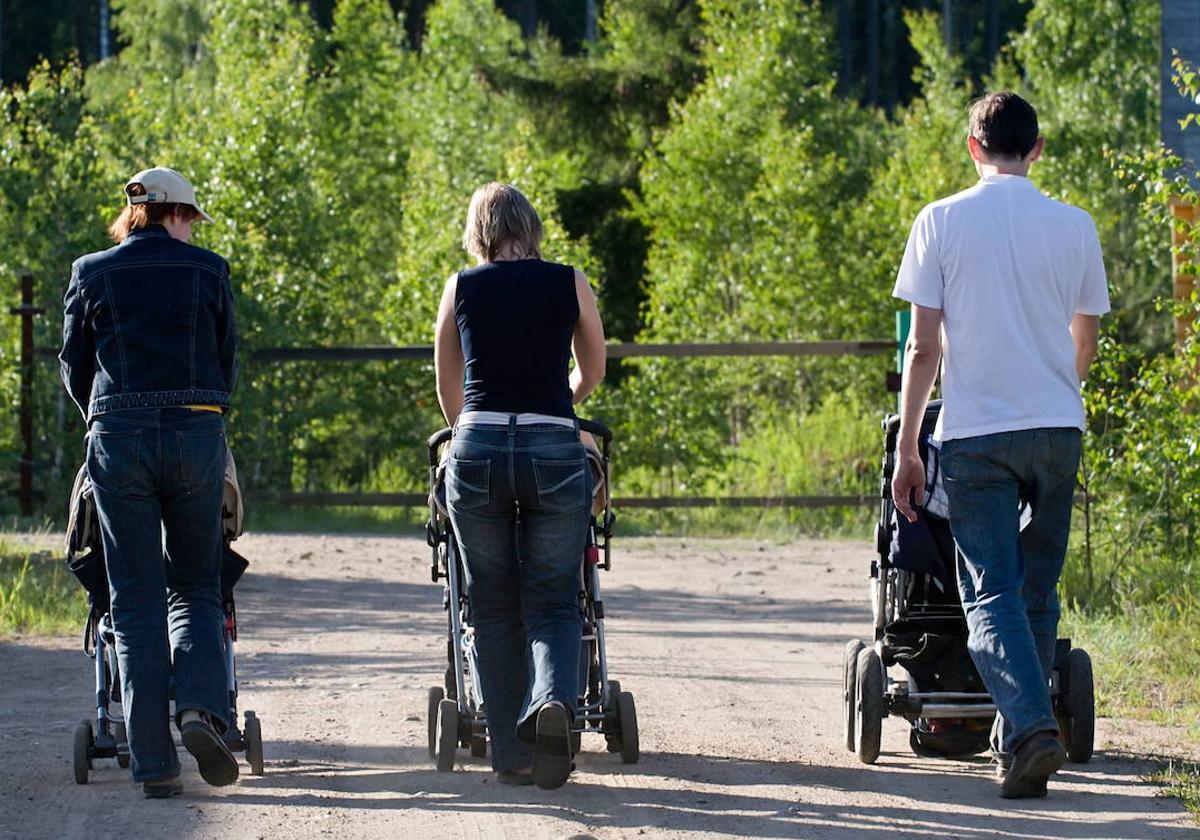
1144,662
1181,780
38,594
334,520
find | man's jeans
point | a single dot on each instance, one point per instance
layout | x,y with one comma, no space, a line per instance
519,499
160,472
1008,578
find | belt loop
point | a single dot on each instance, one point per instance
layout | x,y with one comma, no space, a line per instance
512,427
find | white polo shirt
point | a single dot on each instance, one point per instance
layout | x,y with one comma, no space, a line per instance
1008,267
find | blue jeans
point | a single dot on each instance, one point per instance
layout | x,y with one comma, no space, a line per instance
158,475
520,500
1008,578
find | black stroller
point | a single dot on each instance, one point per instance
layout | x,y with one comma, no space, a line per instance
457,716
920,626
106,737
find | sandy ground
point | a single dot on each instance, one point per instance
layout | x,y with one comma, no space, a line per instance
733,651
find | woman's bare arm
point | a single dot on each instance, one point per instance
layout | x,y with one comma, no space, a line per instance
587,345
448,360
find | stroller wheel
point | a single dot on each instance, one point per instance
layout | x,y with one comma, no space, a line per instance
478,746
435,699
252,735
612,727
121,736
84,742
447,736
627,718
868,694
1080,729
849,675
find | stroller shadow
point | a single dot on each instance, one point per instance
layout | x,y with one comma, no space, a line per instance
907,800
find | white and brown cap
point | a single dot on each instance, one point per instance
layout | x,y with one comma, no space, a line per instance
163,186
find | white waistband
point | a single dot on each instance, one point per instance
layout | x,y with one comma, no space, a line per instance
502,418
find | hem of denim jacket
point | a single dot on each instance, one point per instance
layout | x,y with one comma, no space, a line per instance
158,399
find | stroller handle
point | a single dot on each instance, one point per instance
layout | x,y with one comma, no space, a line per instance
596,428
442,435
435,442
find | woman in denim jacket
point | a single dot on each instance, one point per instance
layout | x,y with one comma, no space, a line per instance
517,482
148,356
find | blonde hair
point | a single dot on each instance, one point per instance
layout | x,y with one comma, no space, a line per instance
136,216
501,215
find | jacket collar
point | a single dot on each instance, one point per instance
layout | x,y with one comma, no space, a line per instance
147,231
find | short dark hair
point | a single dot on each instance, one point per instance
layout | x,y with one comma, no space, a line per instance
1004,124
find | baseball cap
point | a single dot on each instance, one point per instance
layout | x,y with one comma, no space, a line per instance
164,185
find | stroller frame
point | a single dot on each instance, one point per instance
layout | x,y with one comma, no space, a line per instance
456,715
107,736
870,694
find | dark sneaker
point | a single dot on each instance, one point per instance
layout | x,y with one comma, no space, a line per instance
218,767
162,788
513,777
552,750
1036,760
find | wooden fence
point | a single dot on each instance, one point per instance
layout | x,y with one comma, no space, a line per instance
628,350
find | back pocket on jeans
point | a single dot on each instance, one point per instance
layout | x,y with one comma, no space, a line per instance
114,458
561,484
467,483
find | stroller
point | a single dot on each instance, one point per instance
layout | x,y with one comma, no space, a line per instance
920,626
457,716
106,736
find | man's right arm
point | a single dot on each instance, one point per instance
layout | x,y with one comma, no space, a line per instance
922,355
1085,332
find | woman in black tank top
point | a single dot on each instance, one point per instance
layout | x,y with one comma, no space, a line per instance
517,482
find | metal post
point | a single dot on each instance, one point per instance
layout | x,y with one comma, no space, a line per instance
903,325
26,311
104,33
590,28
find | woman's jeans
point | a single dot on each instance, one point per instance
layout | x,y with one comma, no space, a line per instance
158,476
1008,578
519,500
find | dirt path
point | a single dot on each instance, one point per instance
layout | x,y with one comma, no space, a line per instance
733,651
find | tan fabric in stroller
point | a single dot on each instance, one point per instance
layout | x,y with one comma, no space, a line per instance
83,526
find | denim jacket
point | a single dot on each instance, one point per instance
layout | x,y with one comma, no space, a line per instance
147,324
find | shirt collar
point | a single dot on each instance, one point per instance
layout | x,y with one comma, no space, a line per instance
1005,179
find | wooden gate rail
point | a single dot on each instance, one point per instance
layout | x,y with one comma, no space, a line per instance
616,350
398,500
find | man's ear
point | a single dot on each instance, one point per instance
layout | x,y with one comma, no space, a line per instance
1036,151
975,148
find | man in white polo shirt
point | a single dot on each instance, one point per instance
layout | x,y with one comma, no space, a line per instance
1006,286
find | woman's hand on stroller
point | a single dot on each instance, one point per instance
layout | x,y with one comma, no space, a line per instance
908,481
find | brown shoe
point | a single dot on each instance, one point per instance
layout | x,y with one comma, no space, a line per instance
1036,761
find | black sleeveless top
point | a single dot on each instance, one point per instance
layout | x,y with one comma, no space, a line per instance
516,320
